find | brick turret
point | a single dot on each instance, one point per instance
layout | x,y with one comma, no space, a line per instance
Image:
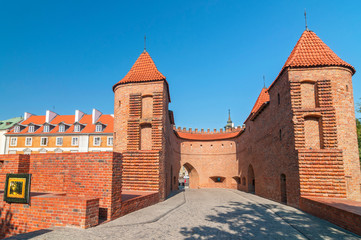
324,119
140,107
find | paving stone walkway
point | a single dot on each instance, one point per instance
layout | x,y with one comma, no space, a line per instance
207,214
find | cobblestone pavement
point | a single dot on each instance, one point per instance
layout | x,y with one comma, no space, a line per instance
207,214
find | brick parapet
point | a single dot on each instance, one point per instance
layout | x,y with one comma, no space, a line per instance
207,131
49,210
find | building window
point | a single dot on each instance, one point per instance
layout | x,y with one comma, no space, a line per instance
44,141
96,141
46,128
278,98
59,141
98,128
17,129
110,141
13,141
62,128
31,129
28,141
77,128
75,141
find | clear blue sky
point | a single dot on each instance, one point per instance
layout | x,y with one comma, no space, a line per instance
68,54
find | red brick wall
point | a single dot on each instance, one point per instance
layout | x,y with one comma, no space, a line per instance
340,213
337,116
144,165
96,175
207,159
269,155
322,173
48,211
140,202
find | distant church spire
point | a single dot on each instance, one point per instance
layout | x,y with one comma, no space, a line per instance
229,124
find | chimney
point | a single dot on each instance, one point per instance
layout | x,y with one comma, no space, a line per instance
95,115
50,116
78,115
27,115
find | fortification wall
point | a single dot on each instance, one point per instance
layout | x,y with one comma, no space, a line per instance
268,162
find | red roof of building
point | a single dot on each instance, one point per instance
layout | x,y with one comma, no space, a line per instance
208,136
86,121
311,51
262,98
143,70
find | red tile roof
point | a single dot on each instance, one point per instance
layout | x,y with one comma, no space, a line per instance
208,136
143,70
86,120
311,51
262,98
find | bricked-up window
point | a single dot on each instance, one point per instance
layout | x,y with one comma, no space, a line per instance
145,137
313,132
44,141
97,141
309,94
75,141
147,107
13,141
59,141
110,141
28,141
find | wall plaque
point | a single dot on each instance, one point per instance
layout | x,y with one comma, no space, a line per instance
17,188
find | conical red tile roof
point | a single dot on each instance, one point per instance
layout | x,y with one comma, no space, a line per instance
311,51
143,70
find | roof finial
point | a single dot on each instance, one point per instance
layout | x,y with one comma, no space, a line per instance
306,20
145,38
264,81
229,114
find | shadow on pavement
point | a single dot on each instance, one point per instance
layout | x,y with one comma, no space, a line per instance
247,220
29,235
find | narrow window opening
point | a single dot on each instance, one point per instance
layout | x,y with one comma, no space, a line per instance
280,134
278,98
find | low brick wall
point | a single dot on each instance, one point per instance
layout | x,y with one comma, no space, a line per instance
140,202
48,210
342,212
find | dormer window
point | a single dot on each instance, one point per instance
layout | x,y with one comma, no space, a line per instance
99,128
46,128
62,128
17,129
31,129
77,128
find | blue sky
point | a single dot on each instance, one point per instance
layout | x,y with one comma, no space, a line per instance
67,55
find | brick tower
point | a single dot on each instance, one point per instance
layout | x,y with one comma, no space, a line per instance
140,106
324,119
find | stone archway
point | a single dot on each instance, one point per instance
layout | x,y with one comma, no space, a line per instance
193,176
251,180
